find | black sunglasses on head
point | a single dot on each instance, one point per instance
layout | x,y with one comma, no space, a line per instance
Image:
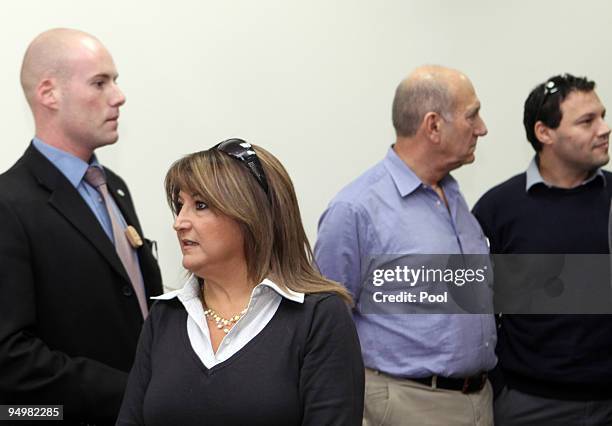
551,87
243,151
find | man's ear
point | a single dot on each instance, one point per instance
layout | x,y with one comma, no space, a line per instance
543,133
47,93
431,125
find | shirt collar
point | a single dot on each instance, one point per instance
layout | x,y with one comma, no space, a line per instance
191,289
534,177
71,166
406,180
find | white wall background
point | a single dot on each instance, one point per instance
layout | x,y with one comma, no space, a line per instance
310,81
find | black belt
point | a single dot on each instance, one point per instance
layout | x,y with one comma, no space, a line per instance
466,385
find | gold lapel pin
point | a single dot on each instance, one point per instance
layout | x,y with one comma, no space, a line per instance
132,235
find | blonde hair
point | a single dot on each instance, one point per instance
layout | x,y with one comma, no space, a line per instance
275,243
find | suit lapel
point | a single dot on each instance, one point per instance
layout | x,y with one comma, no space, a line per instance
68,202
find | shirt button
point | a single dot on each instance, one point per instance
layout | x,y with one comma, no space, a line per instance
226,341
127,291
438,202
487,344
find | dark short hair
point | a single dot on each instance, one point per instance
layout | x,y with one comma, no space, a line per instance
548,110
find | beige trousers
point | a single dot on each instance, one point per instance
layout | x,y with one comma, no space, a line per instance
396,402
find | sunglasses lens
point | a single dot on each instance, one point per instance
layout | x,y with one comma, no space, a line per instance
236,148
550,87
242,151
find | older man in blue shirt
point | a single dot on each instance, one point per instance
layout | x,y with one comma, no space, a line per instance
421,369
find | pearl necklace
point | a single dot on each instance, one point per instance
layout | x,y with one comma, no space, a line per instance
220,322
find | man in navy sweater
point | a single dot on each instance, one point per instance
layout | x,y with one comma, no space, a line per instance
555,369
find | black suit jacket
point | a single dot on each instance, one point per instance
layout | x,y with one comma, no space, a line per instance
69,319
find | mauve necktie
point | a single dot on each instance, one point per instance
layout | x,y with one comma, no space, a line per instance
95,177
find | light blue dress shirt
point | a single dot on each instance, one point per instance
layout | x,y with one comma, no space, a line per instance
534,177
388,210
74,169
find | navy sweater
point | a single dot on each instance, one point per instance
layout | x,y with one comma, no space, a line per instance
555,356
303,368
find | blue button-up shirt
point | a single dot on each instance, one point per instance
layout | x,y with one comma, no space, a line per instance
73,168
388,210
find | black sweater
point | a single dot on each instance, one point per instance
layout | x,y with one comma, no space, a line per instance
303,368
556,356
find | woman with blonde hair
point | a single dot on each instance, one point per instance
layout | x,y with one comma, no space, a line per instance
256,336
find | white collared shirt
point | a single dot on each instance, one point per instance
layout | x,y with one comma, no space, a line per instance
265,300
